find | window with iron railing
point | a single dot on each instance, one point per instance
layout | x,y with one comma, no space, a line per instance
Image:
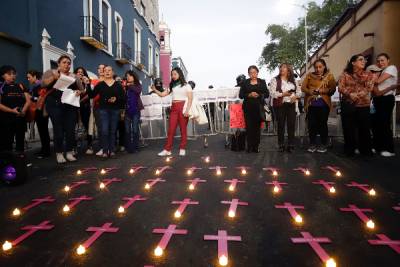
124,51
93,28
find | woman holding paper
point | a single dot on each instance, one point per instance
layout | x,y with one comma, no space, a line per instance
112,100
181,92
63,115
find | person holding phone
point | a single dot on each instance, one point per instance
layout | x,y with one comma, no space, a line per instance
285,93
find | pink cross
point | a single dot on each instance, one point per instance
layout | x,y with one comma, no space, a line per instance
303,170
397,208
233,183
276,184
89,169
325,184
107,182
76,201
38,201
193,169
314,243
167,234
333,169
359,212
135,169
291,208
160,170
274,171
107,170
222,239
233,206
386,241
195,181
363,187
31,229
184,204
243,168
77,184
98,231
155,181
131,200
218,169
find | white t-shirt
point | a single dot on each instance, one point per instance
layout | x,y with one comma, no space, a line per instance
286,86
392,71
180,93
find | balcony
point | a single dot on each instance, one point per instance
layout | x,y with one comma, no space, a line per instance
124,53
94,33
139,60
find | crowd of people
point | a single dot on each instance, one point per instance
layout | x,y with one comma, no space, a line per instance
111,107
367,99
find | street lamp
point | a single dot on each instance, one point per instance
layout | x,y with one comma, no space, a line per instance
306,35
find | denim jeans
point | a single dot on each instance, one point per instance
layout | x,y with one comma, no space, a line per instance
109,121
132,133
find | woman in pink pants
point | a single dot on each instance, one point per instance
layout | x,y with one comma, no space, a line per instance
181,92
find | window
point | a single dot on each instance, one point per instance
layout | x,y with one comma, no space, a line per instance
142,9
106,20
152,26
151,58
137,42
157,64
118,33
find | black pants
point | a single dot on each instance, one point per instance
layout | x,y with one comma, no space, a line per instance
383,134
253,127
121,133
317,118
356,127
13,127
85,116
42,124
286,114
63,118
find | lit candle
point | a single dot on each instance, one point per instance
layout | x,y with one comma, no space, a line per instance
372,192
102,186
121,209
276,189
168,159
67,188
332,190
244,172
131,171
158,251
223,260
207,159
275,173
219,172
307,172
7,246
189,172
78,172
81,250
370,224
338,174
157,172
330,263
16,212
231,188
177,214
103,171
147,186
66,209
231,214
298,219
191,187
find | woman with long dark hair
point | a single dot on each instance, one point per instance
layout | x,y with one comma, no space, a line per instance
318,87
254,91
14,102
181,92
132,111
355,87
85,106
63,116
112,100
285,93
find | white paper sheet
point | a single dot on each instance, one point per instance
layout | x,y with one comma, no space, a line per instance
64,82
69,97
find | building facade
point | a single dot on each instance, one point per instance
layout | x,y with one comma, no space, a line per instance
369,28
165,53
119,33
178,62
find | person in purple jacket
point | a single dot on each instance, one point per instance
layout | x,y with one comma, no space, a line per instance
132,112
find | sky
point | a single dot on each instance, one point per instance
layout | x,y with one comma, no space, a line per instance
219,39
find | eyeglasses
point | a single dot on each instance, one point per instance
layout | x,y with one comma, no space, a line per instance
361,59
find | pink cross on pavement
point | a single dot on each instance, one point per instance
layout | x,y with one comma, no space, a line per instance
277,185
37,202
131,200
218,169
77,200
31,229
194,182
305,171
108,170
334,169
363,187
86,170
222,239
135,169
167,235
160,170
107,182
182,206
78,184
233,183
98,231
233,206
359,212
314,242
386,241
243,169
191,170
291,209
327,185
152,182
273,170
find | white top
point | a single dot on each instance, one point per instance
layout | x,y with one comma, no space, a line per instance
180,93
286,86
392,71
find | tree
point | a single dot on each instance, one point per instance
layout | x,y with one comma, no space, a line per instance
287,43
